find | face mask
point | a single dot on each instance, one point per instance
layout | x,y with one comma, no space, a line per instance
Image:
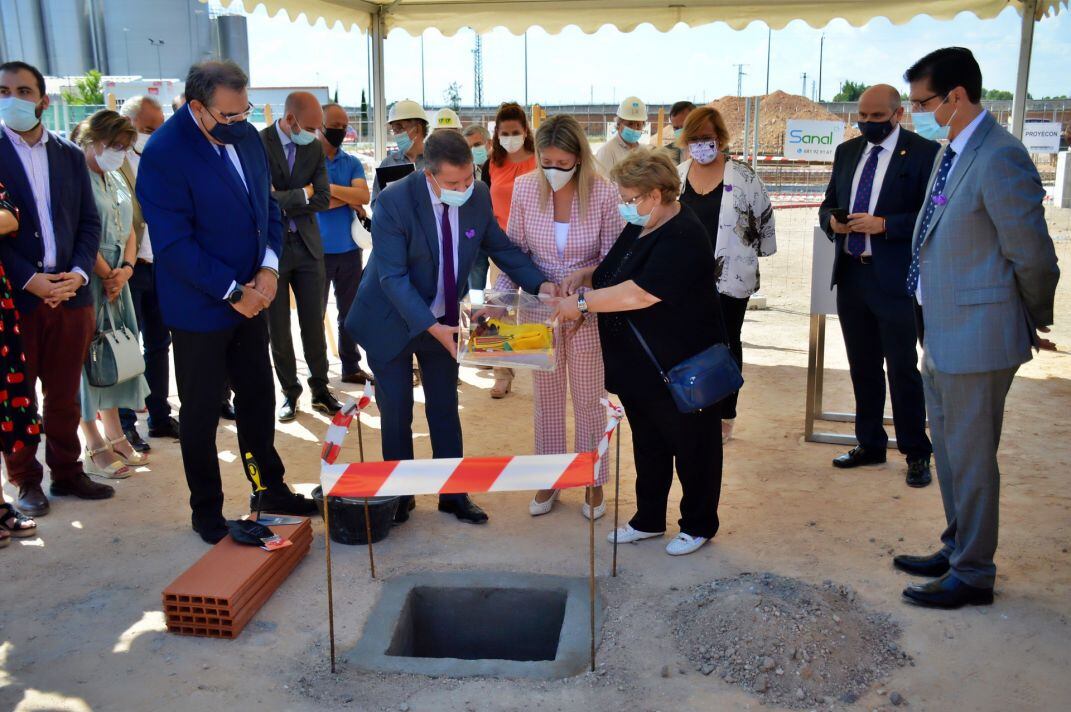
335,137
229,133
479,155
558,177
454,198
301,137
677,132
512,144
140,141
631,214
404,141
18,114
927,126
875,131
704,152
108,159
631,135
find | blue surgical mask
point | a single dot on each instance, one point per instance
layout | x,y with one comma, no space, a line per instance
927,126
479,155
302,137
404,141
631,135
677,132
18,114
631,214
454,198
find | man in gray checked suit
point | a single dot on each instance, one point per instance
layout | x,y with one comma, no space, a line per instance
984,271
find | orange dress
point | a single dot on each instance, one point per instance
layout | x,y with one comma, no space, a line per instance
502,178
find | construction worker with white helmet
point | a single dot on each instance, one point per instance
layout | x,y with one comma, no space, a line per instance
408,124
631,121
446,118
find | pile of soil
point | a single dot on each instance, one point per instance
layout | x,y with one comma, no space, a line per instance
774,110
791,643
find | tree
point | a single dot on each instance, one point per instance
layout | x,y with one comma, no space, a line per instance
364,113
335,99
850,91
997,94
87,90
452,95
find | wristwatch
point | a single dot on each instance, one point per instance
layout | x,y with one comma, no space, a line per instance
581,303
235,296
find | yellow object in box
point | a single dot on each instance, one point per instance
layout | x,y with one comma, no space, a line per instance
513,337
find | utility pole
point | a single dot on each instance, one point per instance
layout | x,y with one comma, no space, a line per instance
159,63
526,68
740,74
804,92
126,42
821,57
477,68
769,46
423,99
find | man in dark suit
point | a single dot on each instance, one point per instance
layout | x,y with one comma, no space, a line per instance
48,262
879,179
204,188
302,189
426,232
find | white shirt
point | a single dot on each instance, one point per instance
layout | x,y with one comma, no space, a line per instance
438,306
561,237
271,260
145,251
958,144
884,158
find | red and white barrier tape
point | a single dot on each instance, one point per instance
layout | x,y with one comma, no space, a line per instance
454,475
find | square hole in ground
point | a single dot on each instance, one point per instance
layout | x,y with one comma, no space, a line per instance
480,624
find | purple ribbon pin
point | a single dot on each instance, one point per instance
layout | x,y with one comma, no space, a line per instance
940,199
470,233
728,189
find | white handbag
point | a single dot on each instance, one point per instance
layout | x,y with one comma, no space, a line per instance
114,355
360,235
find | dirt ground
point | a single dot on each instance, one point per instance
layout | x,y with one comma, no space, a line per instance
80,611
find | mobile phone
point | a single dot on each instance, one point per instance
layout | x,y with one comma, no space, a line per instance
841,214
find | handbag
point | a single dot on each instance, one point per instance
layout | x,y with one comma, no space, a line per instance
700,381
114,354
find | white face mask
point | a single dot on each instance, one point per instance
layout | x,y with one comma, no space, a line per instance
109,159
512,144
558,177
140,141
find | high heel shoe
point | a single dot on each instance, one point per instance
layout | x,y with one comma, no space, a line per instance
114,471
137,459
503,383
536,508
599,510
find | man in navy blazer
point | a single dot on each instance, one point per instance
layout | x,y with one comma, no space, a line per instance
204,188
879,179
426,233
48,262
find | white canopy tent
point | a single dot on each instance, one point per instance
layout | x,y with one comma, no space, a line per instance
379,17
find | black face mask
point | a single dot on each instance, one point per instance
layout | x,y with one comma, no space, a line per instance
335,137
875,131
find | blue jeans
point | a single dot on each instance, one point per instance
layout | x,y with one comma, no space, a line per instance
156,342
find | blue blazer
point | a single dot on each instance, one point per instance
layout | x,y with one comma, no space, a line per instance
903,193
206,229
75,221
401,279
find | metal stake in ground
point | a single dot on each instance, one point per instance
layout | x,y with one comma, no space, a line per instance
330,592
617,496
591,546
367,519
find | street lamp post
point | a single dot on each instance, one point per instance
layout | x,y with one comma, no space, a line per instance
159,63
126,42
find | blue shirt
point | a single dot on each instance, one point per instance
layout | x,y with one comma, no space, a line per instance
335,223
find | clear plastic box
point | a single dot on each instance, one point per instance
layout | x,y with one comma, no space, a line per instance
509,329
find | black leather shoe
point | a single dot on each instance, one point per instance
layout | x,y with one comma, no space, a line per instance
405,505
360,377
918,473
325,403
947,592
135,440
288,410
464,509
32,501
226,410
213,532
933,565
168,429
283,502
83,488
859,456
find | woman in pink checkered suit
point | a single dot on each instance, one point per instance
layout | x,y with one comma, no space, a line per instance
565,217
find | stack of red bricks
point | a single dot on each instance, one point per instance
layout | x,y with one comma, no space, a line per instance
220,594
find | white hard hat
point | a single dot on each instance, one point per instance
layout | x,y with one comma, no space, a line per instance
632,109
446,118
406,109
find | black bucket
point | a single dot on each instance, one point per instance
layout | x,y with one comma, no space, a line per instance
347,517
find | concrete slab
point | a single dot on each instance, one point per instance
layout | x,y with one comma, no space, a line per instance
442,624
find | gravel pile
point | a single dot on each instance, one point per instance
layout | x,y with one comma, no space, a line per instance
774,110
790,643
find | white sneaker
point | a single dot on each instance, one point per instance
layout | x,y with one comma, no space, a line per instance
600,510
727,430
684,544
539,508
627,535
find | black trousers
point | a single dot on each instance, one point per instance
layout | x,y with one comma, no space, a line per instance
344,271
732,315
661,437
879,329
156,342
305,273
204,361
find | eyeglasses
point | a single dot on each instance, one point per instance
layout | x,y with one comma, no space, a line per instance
633,201
920,104
235,118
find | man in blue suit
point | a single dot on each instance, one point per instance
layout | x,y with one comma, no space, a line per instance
204,187
426,232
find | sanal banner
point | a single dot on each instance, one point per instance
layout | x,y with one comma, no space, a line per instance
812,140
1042,137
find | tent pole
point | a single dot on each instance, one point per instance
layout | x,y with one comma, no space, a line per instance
379,107
1022,76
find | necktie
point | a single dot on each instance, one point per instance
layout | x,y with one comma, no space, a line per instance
291,154
231,170
449,276
857,240
936,193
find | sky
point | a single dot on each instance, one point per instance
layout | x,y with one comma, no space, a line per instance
684,63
